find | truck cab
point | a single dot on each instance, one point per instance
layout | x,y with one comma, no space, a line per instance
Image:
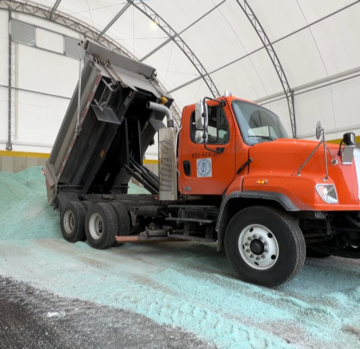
232,129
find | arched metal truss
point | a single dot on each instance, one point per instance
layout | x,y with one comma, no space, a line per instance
118,15
289,94
173,35
53,10
76,25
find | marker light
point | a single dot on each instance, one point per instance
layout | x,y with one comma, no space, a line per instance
327,192
262,181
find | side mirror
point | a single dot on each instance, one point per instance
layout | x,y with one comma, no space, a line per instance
199,120
318,130
206,122
199,136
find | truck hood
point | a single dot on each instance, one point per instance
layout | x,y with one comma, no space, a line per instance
278,163
287,155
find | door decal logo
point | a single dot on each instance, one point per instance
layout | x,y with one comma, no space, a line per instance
204,167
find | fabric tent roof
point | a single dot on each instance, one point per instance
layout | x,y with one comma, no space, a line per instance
314,41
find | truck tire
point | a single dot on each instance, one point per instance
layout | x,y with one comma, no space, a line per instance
264,246
72,221
101,226
87,205
123,218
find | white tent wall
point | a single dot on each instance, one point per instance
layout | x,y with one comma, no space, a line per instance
243,80
281,109
49,40
185,13
300,59
333,104
4,40
37,115
43,23
213,42
311,107
136,32
225,42
337,39
46,72
172,66
192,95
4,59
3,114
39,118
346,105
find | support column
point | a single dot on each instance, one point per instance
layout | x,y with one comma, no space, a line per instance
9,143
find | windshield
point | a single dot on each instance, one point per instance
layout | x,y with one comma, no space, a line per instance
257,124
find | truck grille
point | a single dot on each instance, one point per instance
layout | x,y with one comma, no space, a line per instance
357,165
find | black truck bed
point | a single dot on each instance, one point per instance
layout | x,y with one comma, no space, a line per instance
98,150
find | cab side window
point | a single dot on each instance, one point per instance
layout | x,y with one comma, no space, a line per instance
218,126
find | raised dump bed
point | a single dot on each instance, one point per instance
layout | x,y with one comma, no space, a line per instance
105,132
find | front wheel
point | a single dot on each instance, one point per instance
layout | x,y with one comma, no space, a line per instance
265,246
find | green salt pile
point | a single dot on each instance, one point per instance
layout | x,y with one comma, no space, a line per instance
24,209
178,284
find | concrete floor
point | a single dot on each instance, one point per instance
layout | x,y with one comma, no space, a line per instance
33,319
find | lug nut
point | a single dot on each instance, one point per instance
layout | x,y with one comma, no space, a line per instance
254,236
249,238
257,258
247,251
261,238
247,244
251,256
263,256
266,250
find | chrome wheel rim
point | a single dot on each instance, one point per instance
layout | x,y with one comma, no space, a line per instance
258,247
69,222
96,226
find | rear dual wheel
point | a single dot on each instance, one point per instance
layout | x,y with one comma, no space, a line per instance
265,246
72,221
103,222
99,223
101,226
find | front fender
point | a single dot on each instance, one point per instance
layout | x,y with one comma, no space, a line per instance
222,220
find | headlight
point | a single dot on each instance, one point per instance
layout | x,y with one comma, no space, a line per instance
327,192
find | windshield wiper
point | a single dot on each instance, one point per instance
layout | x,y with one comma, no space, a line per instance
264,137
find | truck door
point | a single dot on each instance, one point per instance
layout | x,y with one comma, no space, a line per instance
204,171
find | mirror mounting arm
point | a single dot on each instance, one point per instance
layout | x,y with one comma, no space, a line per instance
320,132
218,150
222,102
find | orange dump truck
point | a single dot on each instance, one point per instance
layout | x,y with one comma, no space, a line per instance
228,174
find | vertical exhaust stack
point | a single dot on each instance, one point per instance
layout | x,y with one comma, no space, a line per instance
167,154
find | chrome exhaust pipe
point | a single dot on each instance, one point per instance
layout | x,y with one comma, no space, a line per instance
163,109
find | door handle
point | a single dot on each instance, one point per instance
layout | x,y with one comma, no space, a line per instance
220,150
187,167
